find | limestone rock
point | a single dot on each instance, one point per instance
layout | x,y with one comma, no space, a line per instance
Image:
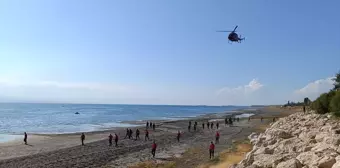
292,163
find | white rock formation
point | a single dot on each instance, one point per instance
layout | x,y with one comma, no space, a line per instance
297,141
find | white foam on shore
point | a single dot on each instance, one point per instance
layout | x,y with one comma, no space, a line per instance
244,115
7,138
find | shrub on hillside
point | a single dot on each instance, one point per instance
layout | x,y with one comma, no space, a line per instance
321,104
335,104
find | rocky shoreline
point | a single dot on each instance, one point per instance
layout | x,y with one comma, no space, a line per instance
297,141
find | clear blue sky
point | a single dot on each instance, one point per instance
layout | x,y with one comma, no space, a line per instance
165,52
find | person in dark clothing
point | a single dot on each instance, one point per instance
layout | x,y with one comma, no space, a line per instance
211,150
304,109
146,135
154,126
217,137
208,125
127,133
110,139
116,139
217,125
150,124
82,137
137,134
202,125
190,123
195,125
226,121
25,138
130,133
274,119
189,128
147,124
153,149
212,125
230,122
178,136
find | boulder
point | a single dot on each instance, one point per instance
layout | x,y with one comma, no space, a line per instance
267,160
292,163
326,162
308,158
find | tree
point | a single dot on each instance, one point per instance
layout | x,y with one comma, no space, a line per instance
337,81
335,104
306,101
321,104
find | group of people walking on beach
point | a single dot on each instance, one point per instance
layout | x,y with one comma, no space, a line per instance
129,134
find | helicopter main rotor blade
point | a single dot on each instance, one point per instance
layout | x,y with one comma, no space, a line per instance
235,28
224,31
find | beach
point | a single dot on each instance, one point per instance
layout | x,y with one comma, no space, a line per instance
65,150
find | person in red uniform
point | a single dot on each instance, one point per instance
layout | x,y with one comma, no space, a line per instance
110,139
153,150
178,136
146,135
116,139
25,138
211,150
217,137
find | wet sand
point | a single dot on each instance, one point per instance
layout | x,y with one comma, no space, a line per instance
66,151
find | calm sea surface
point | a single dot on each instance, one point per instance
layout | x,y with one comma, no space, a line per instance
16,118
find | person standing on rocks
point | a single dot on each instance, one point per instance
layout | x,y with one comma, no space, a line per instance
217,125
238,119
195,125
110,139
304,109
217,137
208,125
212,125
153,150
147,124
25,138
150,124
202,125
226,121
82,137
178,136
211,150
154,126
116,139
146,134
137,134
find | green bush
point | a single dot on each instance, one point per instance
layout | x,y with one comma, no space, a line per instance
335,104
322,104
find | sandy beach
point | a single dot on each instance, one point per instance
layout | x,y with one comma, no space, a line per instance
65,150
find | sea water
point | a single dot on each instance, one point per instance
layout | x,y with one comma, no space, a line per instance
16,118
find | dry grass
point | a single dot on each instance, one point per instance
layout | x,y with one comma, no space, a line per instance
231,156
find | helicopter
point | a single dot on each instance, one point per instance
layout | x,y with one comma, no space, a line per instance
233,37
